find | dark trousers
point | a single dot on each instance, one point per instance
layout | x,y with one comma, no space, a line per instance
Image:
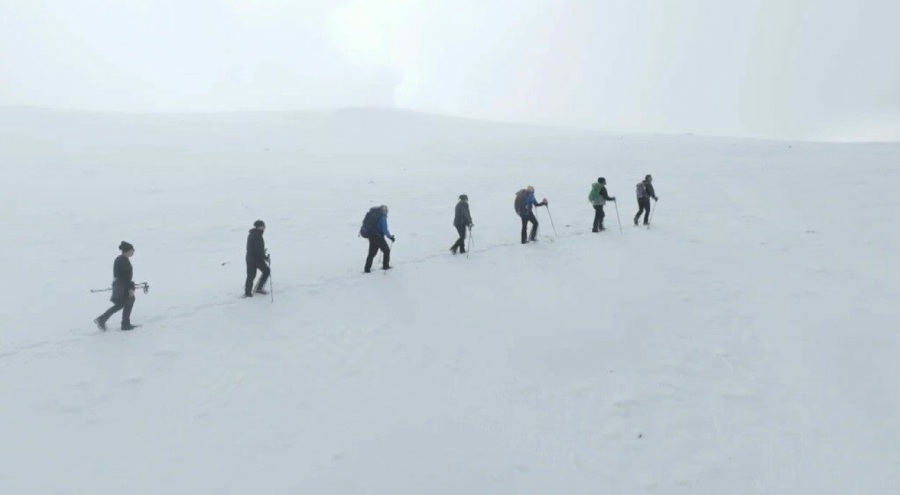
127,304
598,217
461,242
529,217
644,207
252,266
377,242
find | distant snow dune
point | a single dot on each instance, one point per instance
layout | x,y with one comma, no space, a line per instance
746,343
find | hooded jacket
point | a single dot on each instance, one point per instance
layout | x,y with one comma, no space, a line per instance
123,279
462,218
256,246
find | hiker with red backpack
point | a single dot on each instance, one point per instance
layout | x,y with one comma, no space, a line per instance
645,191
375,229
524,204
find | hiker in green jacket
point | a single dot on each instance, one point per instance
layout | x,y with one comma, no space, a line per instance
598,197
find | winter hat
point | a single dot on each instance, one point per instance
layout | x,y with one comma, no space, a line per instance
259,223
530,188
384,208
125,247
648,177
601,180
464,197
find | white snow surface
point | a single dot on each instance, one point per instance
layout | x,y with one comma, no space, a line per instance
745,344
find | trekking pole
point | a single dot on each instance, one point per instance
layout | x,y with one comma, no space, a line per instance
471,241
551,221
652,209
142,285
617,216
271,283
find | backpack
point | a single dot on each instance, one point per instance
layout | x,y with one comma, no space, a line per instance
641,190
519,204
594,196
370,223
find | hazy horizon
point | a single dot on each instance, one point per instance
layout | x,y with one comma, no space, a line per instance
797,69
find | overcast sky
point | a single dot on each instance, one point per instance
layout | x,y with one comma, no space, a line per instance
813,69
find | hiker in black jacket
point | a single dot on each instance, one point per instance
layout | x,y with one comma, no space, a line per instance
257,259
122,289
645,191
461,220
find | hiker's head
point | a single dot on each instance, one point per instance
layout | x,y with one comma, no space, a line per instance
601,180
384,209
259,225
127,249
648,178
530,189
463,197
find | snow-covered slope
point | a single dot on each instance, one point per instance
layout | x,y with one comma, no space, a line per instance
745,344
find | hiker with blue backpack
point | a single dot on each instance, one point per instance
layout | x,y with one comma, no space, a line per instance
375,229
524,204
598,197
644,193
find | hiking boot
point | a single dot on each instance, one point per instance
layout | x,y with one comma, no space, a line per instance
367,270
595,230
386,267
248,294
261,291
100,324
453,249
128,326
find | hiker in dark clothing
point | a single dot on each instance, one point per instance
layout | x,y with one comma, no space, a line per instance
122,289
598,197
525,201
375,229
461,220
257,259
644,193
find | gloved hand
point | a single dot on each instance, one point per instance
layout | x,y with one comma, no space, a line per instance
612,198
545,202
393,238
268,259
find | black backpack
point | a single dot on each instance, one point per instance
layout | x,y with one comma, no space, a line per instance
519,204
370,223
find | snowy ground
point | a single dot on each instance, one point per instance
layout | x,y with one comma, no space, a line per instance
746,344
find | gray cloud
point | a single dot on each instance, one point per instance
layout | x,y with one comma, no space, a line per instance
825,69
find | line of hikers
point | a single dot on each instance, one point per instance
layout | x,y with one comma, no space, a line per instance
375,229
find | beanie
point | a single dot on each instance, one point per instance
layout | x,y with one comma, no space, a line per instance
125,247
259,223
